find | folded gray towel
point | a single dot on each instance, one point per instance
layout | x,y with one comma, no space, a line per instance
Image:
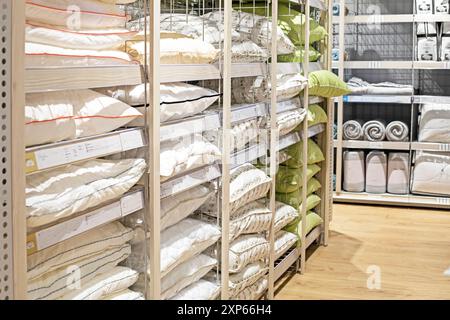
352,130
397,131
374,131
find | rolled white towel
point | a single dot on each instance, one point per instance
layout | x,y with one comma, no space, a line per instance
352,130
397,131
374,131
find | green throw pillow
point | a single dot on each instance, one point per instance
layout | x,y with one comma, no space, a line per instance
294,199
295,151
316,115
290,179
299,54
312,221
312,201
326,84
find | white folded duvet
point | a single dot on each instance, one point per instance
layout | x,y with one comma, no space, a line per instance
431,174
361,87
434,123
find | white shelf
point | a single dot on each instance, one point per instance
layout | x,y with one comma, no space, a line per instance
73,78
189,180
128,204
428,146
378,99
395,65
287,261
190,126
383,145
249,154
245,112
313,236
392,199
393,18
431,99
63,153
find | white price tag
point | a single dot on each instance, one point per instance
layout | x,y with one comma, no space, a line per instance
48,158
258,82
444,147
132,203
131,140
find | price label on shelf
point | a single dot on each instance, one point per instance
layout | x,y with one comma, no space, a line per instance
131,140
444,147
132,203
377,145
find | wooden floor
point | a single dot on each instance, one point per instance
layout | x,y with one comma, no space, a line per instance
410,246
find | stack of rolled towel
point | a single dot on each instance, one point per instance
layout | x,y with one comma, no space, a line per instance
375,130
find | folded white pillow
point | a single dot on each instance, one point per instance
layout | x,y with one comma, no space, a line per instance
61,281
62,115
185,274
289,120
124,295
254,291
75,14
178,207
186,153
254,217
65,191
179,100
41,55
200,290
283,241
247,249
100,39
248,184
113,281
284,215
70,251
184,240
248,276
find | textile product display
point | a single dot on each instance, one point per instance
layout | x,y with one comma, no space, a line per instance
376,172
299,55
374,130
434,123
252,292
185,240
124,295
431,174
315,154
62,192
247,249
175,49
75,249
326,84
289,120
41,55
57,283
441,6
257,89
93,14
284,241
246,52
398,173
248,276
186,274
424,6
353,130
101,39
103,285
284,215
179,206
179,100
397,131
358,86
186,153
247,184
255,28
254,217
294,199
354,171
427,49
290,179
199,290
63,115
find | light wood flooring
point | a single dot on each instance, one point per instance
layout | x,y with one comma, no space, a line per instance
410,246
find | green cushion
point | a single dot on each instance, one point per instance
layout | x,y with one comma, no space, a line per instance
299,54
312,201
326,84
295,151
290,179
316,115
312,220
294,199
